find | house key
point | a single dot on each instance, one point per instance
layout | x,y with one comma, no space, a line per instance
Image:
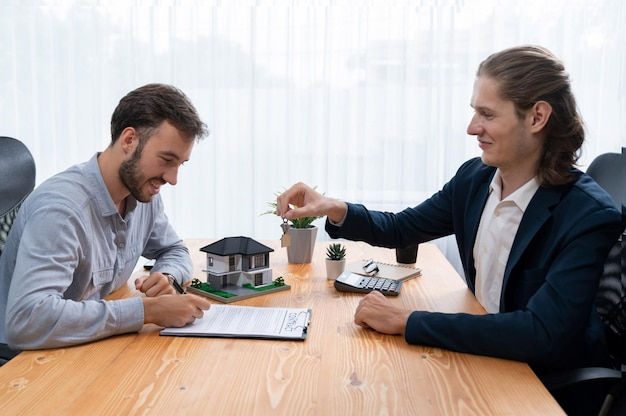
285,239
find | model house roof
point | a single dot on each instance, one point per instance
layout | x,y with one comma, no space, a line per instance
236,245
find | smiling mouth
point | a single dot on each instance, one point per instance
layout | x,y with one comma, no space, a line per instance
156,185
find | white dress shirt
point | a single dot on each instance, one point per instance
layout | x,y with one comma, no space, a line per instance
496,232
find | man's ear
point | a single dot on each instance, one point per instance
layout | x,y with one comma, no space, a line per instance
128,139
539,116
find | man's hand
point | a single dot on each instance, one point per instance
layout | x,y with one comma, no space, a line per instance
174,310
155,284
308,203
376,312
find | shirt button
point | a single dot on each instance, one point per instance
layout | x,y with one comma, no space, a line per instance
121,245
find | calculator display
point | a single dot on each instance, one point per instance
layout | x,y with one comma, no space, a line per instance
353,279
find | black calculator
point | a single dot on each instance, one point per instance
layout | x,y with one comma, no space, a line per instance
356,283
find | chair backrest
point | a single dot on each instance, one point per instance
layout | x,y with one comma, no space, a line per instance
17,180
609,171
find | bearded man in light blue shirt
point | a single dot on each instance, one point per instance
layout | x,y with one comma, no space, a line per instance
79,235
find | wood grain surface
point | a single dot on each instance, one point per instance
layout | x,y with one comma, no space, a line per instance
341,369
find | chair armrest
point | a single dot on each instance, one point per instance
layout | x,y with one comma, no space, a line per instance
561,379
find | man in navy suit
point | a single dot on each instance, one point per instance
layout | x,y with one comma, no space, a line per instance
533,231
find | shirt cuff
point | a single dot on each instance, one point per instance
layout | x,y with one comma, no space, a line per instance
340,223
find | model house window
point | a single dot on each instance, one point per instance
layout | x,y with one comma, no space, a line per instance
210,261
258,279
258,261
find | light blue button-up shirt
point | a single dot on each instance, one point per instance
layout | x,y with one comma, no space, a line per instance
69,248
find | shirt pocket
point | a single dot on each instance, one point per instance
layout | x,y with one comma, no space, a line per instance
102,277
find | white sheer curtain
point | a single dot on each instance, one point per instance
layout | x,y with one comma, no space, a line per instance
367,100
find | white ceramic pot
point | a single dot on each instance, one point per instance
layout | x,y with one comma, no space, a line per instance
334,268
300,249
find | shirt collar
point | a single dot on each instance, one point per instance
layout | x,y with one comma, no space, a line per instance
521,197
101,192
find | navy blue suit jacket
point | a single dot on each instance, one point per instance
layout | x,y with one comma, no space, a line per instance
547,317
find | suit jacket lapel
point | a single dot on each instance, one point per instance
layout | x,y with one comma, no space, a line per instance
537,213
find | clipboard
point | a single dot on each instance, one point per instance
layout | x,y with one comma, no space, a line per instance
231,321
386,270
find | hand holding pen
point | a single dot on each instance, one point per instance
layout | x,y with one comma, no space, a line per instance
157,284
172,280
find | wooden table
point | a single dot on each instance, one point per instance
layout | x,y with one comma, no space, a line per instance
341,369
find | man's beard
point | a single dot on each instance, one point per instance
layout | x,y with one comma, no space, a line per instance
131,178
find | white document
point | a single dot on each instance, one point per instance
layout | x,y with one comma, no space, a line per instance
232,321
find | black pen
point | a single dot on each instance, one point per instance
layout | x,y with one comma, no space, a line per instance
175,283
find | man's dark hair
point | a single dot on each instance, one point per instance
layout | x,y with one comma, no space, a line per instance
526,75
147,107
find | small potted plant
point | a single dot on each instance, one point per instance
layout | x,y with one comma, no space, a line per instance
335,260
302,236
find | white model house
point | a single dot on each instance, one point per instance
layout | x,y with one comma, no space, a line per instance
237,261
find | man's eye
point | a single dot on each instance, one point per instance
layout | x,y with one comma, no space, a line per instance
168,161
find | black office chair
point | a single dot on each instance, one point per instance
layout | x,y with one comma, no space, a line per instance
17,180
609,171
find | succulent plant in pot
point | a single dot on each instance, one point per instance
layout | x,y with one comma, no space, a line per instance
336,251
335,260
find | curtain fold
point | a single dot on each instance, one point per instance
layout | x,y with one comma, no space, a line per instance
368,101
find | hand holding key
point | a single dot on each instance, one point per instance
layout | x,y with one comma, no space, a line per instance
303,201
